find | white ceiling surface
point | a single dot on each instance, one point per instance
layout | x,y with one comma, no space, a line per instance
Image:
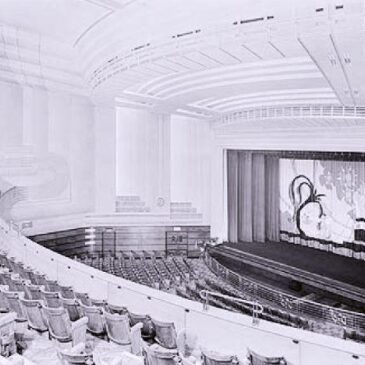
64,20
201,58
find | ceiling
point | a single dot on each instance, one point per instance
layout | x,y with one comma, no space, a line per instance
63,20
205,59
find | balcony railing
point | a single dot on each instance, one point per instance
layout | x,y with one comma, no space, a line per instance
256,307
287,302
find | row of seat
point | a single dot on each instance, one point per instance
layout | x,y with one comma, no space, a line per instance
66,314
186,277
160,273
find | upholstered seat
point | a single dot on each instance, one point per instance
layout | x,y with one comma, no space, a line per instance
156,355
117,328
98,302
52,286
112,308
83,298
4,306
62,329
77,355
67,292
148,329
34,313
7,279
255,359
33,291
73,308
37,278
165,334
13,299
51,299
96,323
215,358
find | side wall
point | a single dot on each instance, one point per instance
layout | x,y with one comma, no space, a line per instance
39,126
114,240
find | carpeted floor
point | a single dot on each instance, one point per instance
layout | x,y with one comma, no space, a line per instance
341,268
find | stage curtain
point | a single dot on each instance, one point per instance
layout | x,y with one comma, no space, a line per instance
232,190
253,197
258,197
272,199
245,197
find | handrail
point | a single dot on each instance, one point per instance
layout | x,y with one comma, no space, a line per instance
337,316
257,308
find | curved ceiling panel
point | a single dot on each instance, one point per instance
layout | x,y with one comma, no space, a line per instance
203,58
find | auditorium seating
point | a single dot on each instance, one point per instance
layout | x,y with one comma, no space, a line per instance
118,328
187,277
62,329
35,314
99,318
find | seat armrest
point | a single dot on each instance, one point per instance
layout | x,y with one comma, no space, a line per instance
136,327
78,329
136,339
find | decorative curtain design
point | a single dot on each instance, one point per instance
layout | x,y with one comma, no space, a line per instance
253,197
327,200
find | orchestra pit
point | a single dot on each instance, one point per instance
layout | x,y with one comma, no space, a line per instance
182,182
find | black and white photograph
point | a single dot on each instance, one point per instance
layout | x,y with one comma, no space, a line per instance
182,182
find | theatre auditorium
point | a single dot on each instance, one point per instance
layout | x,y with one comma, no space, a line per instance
182,182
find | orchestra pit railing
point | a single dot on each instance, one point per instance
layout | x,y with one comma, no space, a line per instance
256,307
287,302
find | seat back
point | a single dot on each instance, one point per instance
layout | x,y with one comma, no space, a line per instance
34,291
137,318
2,278
59,323
117,328
52,299
95,318
67,292
52,286
34,313
73,308
26,273
256,359
18,285
83,298
98,302
13,299
8,281
215,358
112,308
7,334
165,334
4,305
37,278
148,329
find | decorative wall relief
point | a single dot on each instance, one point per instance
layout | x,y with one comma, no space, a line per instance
28,177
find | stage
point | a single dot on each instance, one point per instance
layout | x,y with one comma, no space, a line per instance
284,264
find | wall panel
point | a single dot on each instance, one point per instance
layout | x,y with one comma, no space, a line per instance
115,239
